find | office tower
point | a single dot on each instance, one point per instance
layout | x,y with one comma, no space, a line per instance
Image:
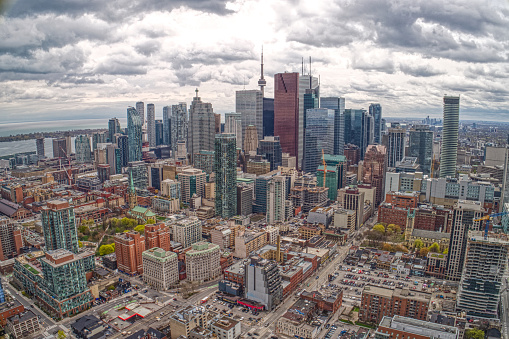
205,161
123,145
82,147
394,141
217,122
160,268
11,240
353,199
203,262
135,134
356,131
155,175
59,226
249,103
201,126
103,172
233,125
270,148
481,281
245,194
335,177
39,144
192,181
68,142
319,136
140,107
187,231
151,125
138,173
178,126
449,152
375,167
420,145
167,125
276,198
338,105
59,148
226,175
113,158
286,111
262,282
375,110
129,247
98,138
159,132
261,186
268,117
113,128
250,139
464,214
309,96
262,82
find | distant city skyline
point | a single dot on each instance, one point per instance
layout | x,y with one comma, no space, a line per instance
404,55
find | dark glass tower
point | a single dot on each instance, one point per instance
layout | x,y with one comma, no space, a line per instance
225,166
338,105
286,111
375,110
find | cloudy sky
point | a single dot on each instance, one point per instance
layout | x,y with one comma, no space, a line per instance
73,59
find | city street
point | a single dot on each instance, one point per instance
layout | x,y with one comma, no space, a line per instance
504,306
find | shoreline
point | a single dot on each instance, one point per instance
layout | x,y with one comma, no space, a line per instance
56,134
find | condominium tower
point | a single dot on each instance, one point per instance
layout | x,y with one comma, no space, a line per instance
449,153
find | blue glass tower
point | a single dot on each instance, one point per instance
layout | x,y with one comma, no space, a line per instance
338,105
375,110
319,137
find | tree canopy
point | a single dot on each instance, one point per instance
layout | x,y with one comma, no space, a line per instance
106,249
434,248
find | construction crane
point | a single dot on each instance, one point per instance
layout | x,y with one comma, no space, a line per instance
324,168
488,218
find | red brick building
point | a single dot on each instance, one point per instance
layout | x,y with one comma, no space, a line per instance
391,214
433,219
11,240
157,235
402,199
128,248
7,310
323,302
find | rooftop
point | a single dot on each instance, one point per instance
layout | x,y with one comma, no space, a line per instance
419,327
225,323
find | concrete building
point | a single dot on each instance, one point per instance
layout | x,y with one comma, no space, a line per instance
82,148
297,321
250,139
201,126
270,148
135,133
226,328
179,128
244,199
205,161
249,103
262,282
59,148
247,242
276,193
160,268
374,168
129,247
233,125
352,199
394,141
23,325
192,181
171,189
151,125
187,231
59,226
202,262
39,145
404,327
449,151
183,321
345,220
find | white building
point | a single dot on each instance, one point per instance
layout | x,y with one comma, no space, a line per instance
160,268
187,231
202,262
226,328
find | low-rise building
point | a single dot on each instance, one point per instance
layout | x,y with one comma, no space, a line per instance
160,268
247,242
402,327
185,320
297,321
226,328
23,324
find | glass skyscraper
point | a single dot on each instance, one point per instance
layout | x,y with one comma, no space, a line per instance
123,146
134,131
159,132
356,129
178,126
286,111
338,105
375,110
319,137
449,154
225,166
82,147
59,226
420,145
138,173
268,117
167,125
202,126
249,103
113,128
271,149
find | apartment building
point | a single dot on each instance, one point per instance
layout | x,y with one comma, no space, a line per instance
129,247
247,242
202,262
187,231
160,268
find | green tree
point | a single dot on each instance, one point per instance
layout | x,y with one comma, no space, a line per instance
140,229
418,244
151,221
125,222
80,244
379,228
474,333
61,334
106,249
114,222
394,228
423,252
446,251
434,248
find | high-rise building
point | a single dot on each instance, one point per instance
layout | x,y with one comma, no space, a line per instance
420,145
160,268
262,282
98,138
353,199
233,125
82,147
202,262
138,173
167,125
505,184
484,270
187,231
338,105
151,125
270,148
286,111
192,180
449,152
262,82
319,136
205,161
59,226
375,110
129,247
39,144
309,97
113,128
217,122
178,126
464,215
375,167
268,117
159,128
249,103
244,199
394,141
250,139
335,178
68,142
226,175
59,148
123,146
140,107
356,129
276,198
201,126
261,186
11,240
135,134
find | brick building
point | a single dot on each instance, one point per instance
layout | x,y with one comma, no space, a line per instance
11,240
402,199
157,236
129,248
324,303
391,214
401,327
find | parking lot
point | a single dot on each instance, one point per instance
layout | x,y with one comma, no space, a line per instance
246,316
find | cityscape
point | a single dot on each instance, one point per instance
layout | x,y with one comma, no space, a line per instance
300,210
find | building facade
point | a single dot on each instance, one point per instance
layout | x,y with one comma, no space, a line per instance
286,111
225,167
134,133
202,262
201,126
160,268
449,152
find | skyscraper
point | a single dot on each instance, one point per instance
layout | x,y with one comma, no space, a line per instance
134,132
59,226
159,132
201,126
59,148
276,193
138,173
123,145
262,282
113,128
319,137
270,148
226,175
39,144
449,153
335,177
375,110
151,125
375,166
233,125
140,107
338,105
167,125
420,145
394,141
268,117
250,139
178,126
249,103
82,147
286,111
98,138
356,129
309,97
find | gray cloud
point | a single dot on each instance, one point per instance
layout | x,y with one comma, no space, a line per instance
420,70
